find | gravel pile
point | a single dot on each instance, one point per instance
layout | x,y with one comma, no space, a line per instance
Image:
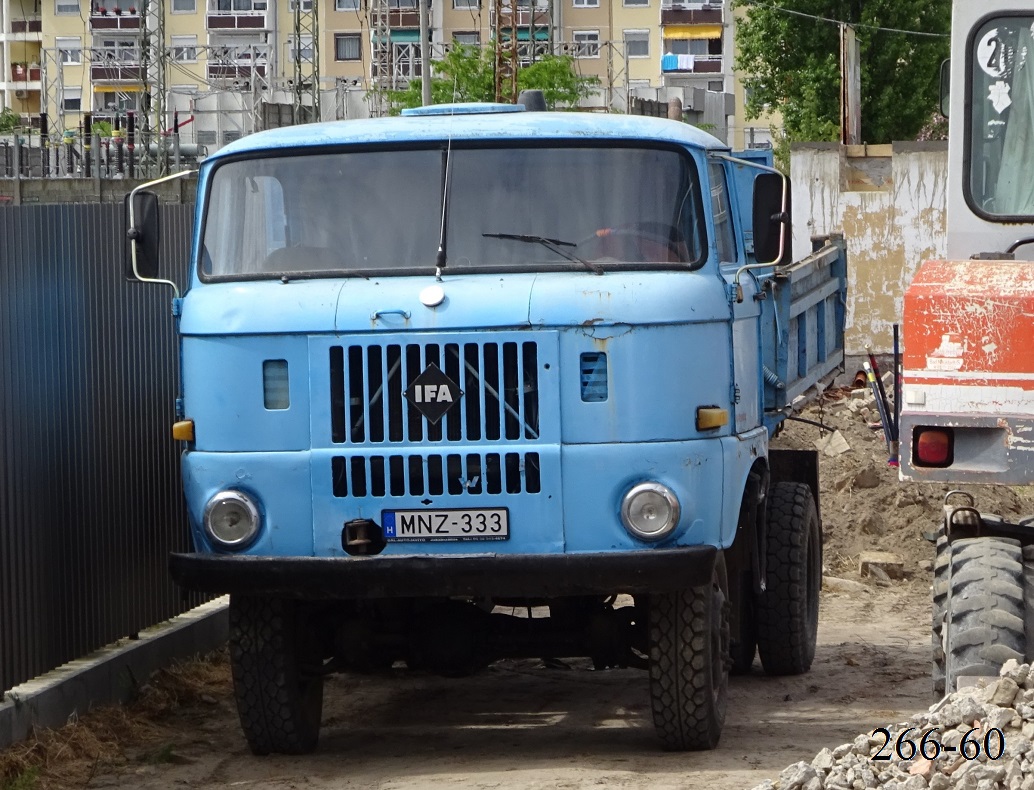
983,741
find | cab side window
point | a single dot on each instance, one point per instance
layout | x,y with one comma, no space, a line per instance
725,239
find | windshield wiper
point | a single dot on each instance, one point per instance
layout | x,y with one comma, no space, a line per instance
553,245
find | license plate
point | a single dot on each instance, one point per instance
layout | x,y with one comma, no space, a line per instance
490,523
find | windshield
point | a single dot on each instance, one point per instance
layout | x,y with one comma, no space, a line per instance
514,208
1002,131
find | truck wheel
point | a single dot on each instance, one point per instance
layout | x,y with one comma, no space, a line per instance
939,596
276,675
984,608
689,663
788,610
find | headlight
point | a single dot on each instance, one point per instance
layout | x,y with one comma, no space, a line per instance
650,511
231,519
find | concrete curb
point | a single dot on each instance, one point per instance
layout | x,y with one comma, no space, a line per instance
111,674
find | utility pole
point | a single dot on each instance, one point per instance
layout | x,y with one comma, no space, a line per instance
380,77
425,57
154,62
306,62
850,88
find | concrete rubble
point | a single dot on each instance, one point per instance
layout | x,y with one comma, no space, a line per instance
995,716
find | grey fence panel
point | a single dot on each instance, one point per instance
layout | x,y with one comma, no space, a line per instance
90,501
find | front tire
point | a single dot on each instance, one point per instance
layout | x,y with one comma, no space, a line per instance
788,610
689,663
984,610
276,674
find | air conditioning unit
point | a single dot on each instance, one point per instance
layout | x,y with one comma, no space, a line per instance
21,94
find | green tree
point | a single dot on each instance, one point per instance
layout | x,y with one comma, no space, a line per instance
466,73
9,120
791,63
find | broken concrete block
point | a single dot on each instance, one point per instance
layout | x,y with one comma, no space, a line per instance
833,444
888,562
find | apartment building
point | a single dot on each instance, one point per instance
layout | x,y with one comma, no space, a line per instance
223,62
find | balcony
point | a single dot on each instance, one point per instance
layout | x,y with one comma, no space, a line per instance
691,16
522,16
238,15
117,72
21,72
691,64
27,29
235,72
122,16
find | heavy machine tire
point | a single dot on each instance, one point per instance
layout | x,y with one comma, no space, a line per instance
939,599
984,609
276,675
788,609
689,663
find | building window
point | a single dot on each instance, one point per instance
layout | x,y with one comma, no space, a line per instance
306,5
184,49
184,6
293,53
637,43
405,5
716,85
348,46
347,5
117,50
111,102
586,3
72,99
587,43
467,39
69,50
67,7
637,3
236,6
466,4
693,46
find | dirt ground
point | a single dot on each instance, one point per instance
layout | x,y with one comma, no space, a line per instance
520,724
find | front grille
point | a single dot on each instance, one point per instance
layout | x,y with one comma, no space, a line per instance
436,475
500,400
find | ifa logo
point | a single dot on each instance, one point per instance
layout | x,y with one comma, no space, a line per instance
432,393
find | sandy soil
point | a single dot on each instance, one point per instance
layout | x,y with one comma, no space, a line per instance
523,725
520,725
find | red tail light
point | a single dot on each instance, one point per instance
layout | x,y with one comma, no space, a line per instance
933,447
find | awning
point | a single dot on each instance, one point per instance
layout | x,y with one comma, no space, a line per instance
541,34
118,88
683,32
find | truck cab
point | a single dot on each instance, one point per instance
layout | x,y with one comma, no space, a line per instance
476,383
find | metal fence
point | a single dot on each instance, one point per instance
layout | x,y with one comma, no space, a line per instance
126,152
90,501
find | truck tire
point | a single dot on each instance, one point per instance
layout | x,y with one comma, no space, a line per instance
276,675
788,609
984,609
689,663
939,598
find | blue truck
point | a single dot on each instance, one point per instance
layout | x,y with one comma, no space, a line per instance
479,382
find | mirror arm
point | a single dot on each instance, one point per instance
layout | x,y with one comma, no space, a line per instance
133,233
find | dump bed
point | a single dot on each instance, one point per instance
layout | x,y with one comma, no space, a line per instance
803,324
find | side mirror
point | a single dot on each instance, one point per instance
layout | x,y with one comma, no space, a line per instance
771,218
142,237
945,85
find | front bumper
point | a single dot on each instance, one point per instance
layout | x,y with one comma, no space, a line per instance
429,575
